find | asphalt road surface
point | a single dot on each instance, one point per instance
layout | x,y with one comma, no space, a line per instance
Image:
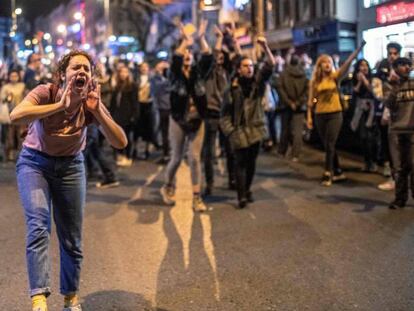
300,246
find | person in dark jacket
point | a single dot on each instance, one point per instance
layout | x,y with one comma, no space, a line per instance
401,104
216,84
160,89
188,109
293,89
243,119
32,74
381,87
124,109
363,120
94,154
144,125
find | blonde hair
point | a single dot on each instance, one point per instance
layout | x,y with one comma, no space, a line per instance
317,76
317,73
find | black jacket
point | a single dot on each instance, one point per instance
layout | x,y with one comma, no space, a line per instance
401,104
183,88
217,82
242,117
124,109
160,89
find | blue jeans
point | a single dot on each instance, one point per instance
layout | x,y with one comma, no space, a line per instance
44,182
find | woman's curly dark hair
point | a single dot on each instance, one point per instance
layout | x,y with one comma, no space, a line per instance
64,63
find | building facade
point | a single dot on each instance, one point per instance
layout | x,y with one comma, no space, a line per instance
311,26
381,22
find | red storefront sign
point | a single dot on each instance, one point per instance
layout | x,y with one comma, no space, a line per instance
396,12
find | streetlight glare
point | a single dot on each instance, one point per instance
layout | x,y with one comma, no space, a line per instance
18,11
47,36
77,16
61,28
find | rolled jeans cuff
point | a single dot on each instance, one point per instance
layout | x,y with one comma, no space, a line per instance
40,291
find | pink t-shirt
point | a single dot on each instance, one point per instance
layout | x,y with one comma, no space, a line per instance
60,134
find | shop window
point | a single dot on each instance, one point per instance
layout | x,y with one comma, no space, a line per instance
370,3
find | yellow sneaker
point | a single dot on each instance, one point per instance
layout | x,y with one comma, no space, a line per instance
72,303
39,303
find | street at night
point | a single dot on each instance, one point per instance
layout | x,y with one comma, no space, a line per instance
167,155
298,247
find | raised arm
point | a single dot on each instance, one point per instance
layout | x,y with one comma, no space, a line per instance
177,59
232,31
204,47
345,66
219,39
269,56
206,62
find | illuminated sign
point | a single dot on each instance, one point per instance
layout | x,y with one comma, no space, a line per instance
239,4
370,3
395,12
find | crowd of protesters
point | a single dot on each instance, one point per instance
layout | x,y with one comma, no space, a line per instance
202,103
207,102
199,105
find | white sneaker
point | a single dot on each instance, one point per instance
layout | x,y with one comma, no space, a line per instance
387,186
73,308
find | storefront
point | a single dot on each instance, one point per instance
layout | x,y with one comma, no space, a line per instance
331,37
392,21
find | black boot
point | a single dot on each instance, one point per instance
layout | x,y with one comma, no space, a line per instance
396,204
250,197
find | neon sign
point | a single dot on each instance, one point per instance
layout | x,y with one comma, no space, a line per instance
395,12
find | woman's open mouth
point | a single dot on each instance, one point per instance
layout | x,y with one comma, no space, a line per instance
80,82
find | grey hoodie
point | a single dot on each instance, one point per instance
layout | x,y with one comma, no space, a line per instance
293,86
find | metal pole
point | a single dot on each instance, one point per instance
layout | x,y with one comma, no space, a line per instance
108,29
14,29
259,31
259,17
